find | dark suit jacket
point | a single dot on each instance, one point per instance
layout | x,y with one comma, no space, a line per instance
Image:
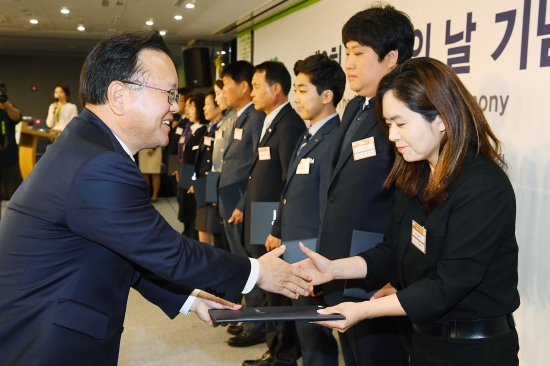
267,177
302,204
76,235
237,161
469,270
355,197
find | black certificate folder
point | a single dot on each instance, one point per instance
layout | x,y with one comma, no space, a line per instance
361,241
273,313
293,253
187,176
263,214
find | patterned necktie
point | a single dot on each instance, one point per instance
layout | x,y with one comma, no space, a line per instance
304,142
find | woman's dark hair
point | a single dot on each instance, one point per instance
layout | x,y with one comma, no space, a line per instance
219,83
324,73
431,88
65,89
382,28
213,94
115,58
275,73
197,99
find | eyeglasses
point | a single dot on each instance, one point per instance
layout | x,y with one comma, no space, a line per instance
173,95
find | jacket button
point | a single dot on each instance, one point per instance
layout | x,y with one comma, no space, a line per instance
224,162
208,161
330,200
284,201
249,177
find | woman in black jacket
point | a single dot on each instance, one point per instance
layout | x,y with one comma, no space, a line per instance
450,251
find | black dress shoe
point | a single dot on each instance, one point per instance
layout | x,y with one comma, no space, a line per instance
264,361
235,329
245,339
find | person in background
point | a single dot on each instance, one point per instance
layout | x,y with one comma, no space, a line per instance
194,112
150,164
60,112
10,173
377,40
319,87
224,128
282,128
450,251
208,218
237,158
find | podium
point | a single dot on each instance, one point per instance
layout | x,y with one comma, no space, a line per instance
28,141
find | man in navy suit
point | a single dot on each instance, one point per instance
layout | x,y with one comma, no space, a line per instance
80,230
281,130
319,87
237,159
376,40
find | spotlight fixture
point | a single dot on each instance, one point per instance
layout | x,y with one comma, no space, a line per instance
149,22
178,17
162,33
81,28
65,10
189,5
34,21
223,52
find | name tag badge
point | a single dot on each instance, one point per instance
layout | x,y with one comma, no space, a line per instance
264,153
207,141
363,149
218,135
303,166
179,131
418,237
182,140
238,135
196,147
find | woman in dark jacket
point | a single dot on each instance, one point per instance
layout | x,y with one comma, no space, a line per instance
450,251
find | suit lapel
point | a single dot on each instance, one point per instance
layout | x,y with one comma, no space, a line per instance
238,124
273,125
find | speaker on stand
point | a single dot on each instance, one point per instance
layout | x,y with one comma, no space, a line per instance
197,67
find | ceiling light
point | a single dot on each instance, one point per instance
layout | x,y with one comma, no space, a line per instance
34,21
223,52
81,28
178,17
189,6
65,11
149,22
162,33
223,63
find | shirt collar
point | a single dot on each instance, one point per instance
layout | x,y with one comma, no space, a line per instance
125,147
241,111
366,103
316,127
271,116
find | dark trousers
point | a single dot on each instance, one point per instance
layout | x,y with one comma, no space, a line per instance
377,342
10,178
318,345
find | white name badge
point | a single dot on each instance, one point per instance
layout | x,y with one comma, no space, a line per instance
363,149
264,153
182,140
303,166
179,131
238,135
207,141
218,135
196,147
418,237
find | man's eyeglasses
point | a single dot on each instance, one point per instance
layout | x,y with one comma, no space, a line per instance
173,95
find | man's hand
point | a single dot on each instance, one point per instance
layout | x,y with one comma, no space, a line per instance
272,243
191,190
236,218
320,268
176,174
207,301
278,276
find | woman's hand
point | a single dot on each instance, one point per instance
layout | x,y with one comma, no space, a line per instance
384,291
191,190
150,152
353,311
320,268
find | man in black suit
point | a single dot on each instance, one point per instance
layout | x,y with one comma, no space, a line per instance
319,87
281,131
376,40
233,182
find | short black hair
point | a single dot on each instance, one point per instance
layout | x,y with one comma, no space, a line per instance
275,73
382,28
115,58
324,73
239,71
